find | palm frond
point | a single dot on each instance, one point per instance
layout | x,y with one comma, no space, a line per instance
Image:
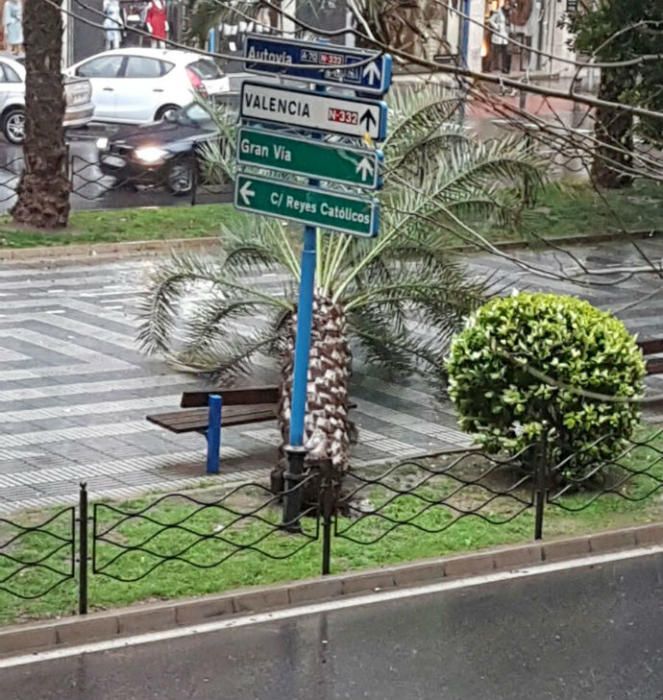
403,294
159,307
254,246
224,359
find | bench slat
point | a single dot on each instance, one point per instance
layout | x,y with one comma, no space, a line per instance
655,366
651,347
248,396
195,420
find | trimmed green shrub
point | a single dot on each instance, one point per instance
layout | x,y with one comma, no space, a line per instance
501,365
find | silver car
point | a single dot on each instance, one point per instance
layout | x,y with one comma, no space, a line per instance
78,94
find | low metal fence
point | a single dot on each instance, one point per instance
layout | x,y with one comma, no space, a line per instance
132,543
94,189
37,556
324,512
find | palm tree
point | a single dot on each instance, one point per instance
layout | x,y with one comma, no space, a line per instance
43,191
396,299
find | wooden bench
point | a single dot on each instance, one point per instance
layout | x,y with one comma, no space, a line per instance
207,412
652,347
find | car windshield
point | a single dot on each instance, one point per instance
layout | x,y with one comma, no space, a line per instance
194,113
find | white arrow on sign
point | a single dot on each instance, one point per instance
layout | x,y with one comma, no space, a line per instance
246,193
365,168
349,116
372,71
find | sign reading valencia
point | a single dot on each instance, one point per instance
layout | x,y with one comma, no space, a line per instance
316,112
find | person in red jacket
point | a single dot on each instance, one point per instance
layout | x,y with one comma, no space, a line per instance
157,23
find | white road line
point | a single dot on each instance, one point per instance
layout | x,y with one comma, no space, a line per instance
330,606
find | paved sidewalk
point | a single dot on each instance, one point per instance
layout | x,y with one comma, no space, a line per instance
74,390
74,393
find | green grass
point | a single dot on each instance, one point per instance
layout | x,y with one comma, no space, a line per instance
112,226
570,209
209,534
561,210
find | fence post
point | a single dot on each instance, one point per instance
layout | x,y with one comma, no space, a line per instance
292,501
82,550
194,183
327,500
71,167
541,486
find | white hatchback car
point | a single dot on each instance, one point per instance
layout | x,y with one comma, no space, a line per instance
136,86
78,93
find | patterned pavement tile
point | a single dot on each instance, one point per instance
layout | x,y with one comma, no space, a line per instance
74,390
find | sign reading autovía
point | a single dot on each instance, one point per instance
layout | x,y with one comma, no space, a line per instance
313,207
317,112
323,64
298,156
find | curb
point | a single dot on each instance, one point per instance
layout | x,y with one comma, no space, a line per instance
539,244
104,251
142,619
92,252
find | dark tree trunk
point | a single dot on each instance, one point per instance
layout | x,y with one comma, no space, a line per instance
613,156
43,192
328,429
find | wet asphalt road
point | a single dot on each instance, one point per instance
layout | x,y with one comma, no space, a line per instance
589,634
90,189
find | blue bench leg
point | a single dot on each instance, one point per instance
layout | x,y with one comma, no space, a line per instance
214,434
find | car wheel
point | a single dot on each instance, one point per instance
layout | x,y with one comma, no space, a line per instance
163,112
13,126
180,177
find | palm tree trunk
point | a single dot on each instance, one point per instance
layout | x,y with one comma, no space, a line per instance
327,427
43,192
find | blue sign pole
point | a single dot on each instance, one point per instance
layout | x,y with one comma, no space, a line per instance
303,338
296,450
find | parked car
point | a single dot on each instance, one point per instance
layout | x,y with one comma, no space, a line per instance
138,86
78,94
164,153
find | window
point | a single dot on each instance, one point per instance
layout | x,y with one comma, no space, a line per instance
206,70
143,67
194,113
103,67
8,74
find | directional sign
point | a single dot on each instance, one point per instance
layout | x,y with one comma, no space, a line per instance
312,207
329,65
309,110
299,156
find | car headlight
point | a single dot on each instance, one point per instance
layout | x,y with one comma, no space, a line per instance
102,143
150,154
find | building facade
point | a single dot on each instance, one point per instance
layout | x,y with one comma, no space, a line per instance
453,31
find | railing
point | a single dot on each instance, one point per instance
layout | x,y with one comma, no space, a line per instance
130,544
634,474
433,494
92,187
424,497
37,557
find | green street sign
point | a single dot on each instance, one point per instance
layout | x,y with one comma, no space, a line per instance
312,207
297,156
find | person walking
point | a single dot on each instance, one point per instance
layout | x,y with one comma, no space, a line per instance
13,23
113,24
499,39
